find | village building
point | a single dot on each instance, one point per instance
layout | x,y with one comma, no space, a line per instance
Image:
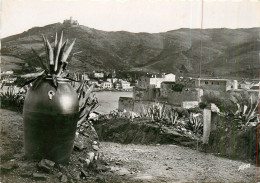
245,85
255,87
148,88
166,86
186,93
8,72
215,84
169,77
117,85
94,82
98,75
125,85
84,77
106,84
112,80
145,82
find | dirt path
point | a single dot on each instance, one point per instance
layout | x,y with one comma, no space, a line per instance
125,163
171,163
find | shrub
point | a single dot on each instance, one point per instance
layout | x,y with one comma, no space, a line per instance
172,116
13,99
195,123
87,104
202,105
156,112
178,87
241,106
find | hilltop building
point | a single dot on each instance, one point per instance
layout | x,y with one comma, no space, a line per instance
70,22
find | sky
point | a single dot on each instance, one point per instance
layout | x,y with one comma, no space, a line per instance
129,15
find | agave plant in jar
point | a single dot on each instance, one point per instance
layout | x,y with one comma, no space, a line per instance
51,107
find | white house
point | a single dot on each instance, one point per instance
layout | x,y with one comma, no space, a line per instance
112,80
154,81
84,77
94,82
99,75
106,84
125,85
170,77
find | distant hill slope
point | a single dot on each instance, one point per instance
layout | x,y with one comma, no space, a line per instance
225,52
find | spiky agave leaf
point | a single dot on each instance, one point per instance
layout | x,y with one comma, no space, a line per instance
58,52
47,52
60,63
62,50
51,55
55,81
80,89
40,61
90,89
67,52
84,95
56,58
37,82
56,40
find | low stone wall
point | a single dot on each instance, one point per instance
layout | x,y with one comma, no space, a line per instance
227,140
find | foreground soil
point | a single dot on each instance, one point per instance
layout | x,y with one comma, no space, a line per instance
172,163
120,163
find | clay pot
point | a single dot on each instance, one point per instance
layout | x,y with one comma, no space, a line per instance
50,119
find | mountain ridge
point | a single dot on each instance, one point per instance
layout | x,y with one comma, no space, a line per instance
224,51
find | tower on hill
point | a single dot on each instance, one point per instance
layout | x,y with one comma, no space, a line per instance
70,22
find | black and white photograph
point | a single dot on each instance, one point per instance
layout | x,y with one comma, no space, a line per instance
129,91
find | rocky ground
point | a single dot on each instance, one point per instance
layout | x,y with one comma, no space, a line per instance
116,162
172,163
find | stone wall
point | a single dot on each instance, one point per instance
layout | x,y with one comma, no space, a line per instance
228,140
149,94
141,106
177,98
125,103
189,104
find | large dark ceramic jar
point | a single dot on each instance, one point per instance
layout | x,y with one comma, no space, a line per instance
50,119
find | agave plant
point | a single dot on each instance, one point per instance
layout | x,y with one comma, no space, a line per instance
56,59
247,105
195,123
86,103
12,98
156,112
172,116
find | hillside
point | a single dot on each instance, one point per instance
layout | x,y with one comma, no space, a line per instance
225,52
